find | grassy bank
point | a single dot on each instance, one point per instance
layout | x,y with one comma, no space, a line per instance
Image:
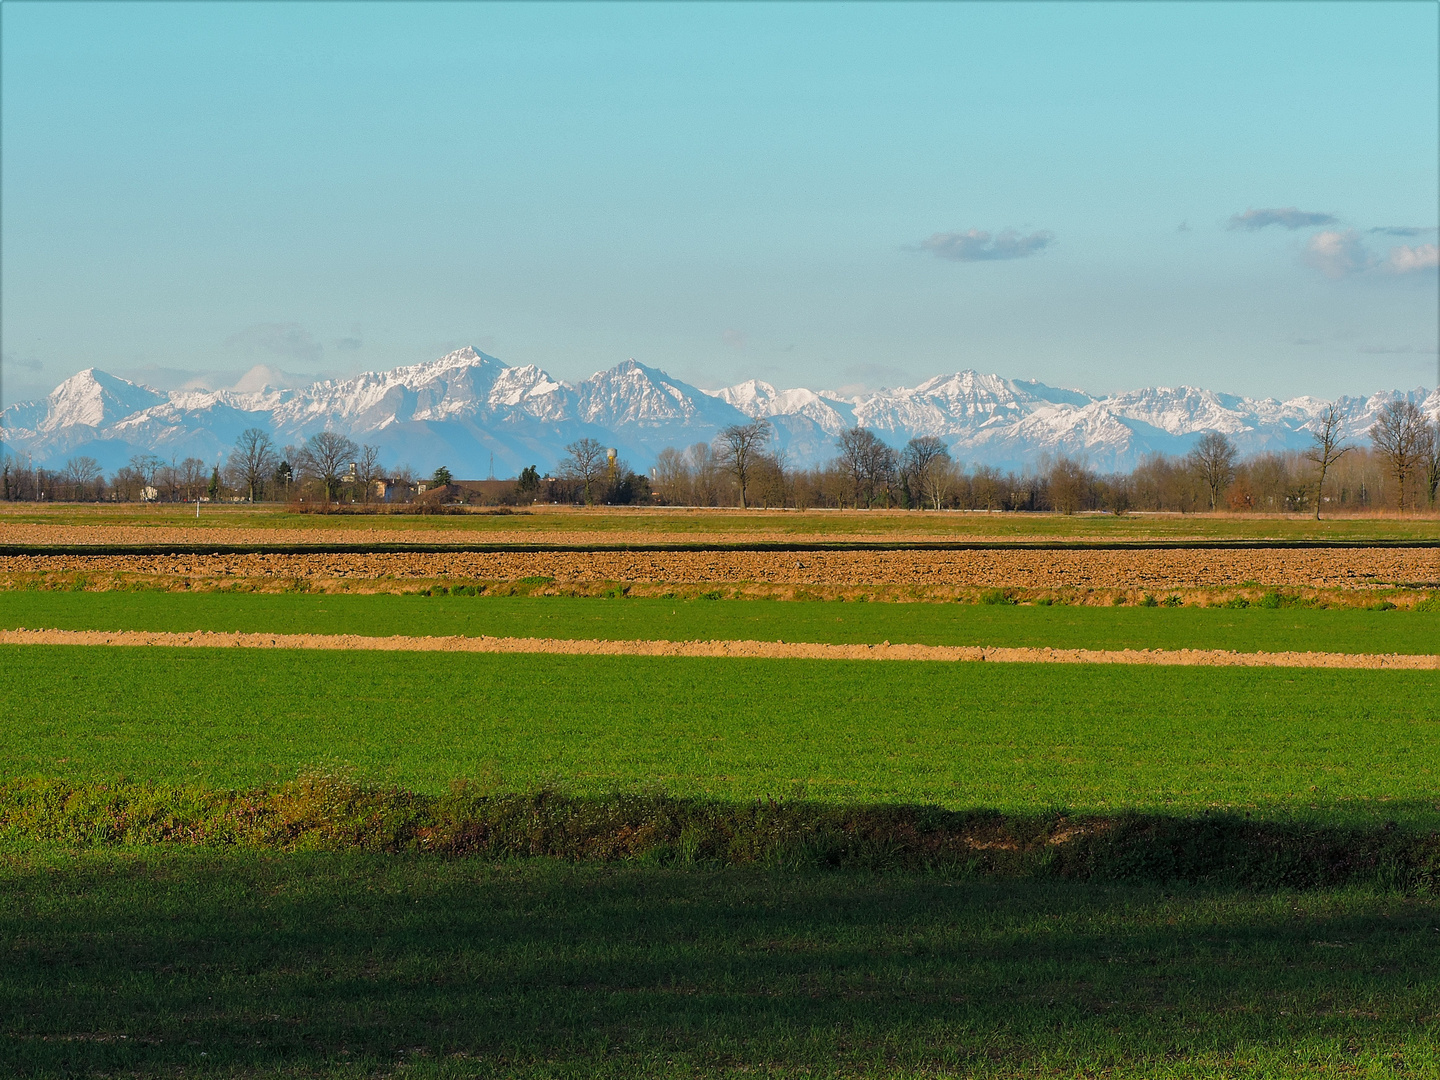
1251,629
1015,738
334,813
164,963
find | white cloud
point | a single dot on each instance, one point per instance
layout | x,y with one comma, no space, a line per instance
1411,260
1337,254
976,245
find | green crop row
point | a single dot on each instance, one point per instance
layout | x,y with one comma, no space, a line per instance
1016,738
1256,628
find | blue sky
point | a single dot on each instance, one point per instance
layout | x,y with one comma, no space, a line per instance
820,195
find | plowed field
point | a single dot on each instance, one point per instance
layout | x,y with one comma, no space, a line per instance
1144,568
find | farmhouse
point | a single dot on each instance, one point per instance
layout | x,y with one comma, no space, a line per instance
393,490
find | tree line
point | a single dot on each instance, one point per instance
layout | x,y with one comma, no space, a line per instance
326,466
1399,468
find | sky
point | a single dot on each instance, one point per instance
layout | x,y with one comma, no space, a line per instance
1236,196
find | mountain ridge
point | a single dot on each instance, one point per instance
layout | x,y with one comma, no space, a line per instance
466,405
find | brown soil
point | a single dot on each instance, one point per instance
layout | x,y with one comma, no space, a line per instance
371,533
649,528
751,649
1153,569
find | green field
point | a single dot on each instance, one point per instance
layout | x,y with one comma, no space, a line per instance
1247,630
1012,737
167,960
167,963
679,523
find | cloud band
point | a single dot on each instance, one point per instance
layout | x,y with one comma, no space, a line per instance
976,245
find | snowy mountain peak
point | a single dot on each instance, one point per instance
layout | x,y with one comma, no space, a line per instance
752,397
968,384
759,400
93,398
451,364
631,393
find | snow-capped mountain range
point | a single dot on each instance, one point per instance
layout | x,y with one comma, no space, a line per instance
463,408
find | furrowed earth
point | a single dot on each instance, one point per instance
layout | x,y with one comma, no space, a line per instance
1144,568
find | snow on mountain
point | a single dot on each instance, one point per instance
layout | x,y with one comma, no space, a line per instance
947,405
94,399
466,406
75,414
1360,412
263,377
1092,433
758,399
631,393
456,386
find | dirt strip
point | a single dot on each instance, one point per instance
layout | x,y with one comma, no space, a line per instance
1154,569
748,649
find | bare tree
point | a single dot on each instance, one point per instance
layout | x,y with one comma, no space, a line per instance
327,457
367,469
882,469
852,444
145,466
985,487
673,478
586,464
925,463
1431,460
1326,449
1401,435
867,462
771,479
253,459
79,473
1213,460
168,480
738,446
705,475
192,477
126,484
1070,484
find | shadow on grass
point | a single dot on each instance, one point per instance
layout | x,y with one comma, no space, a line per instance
336,813
183,961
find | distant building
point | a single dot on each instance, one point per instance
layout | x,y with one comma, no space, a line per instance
394,490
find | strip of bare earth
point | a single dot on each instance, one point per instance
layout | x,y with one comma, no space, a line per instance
1156,569
742,649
